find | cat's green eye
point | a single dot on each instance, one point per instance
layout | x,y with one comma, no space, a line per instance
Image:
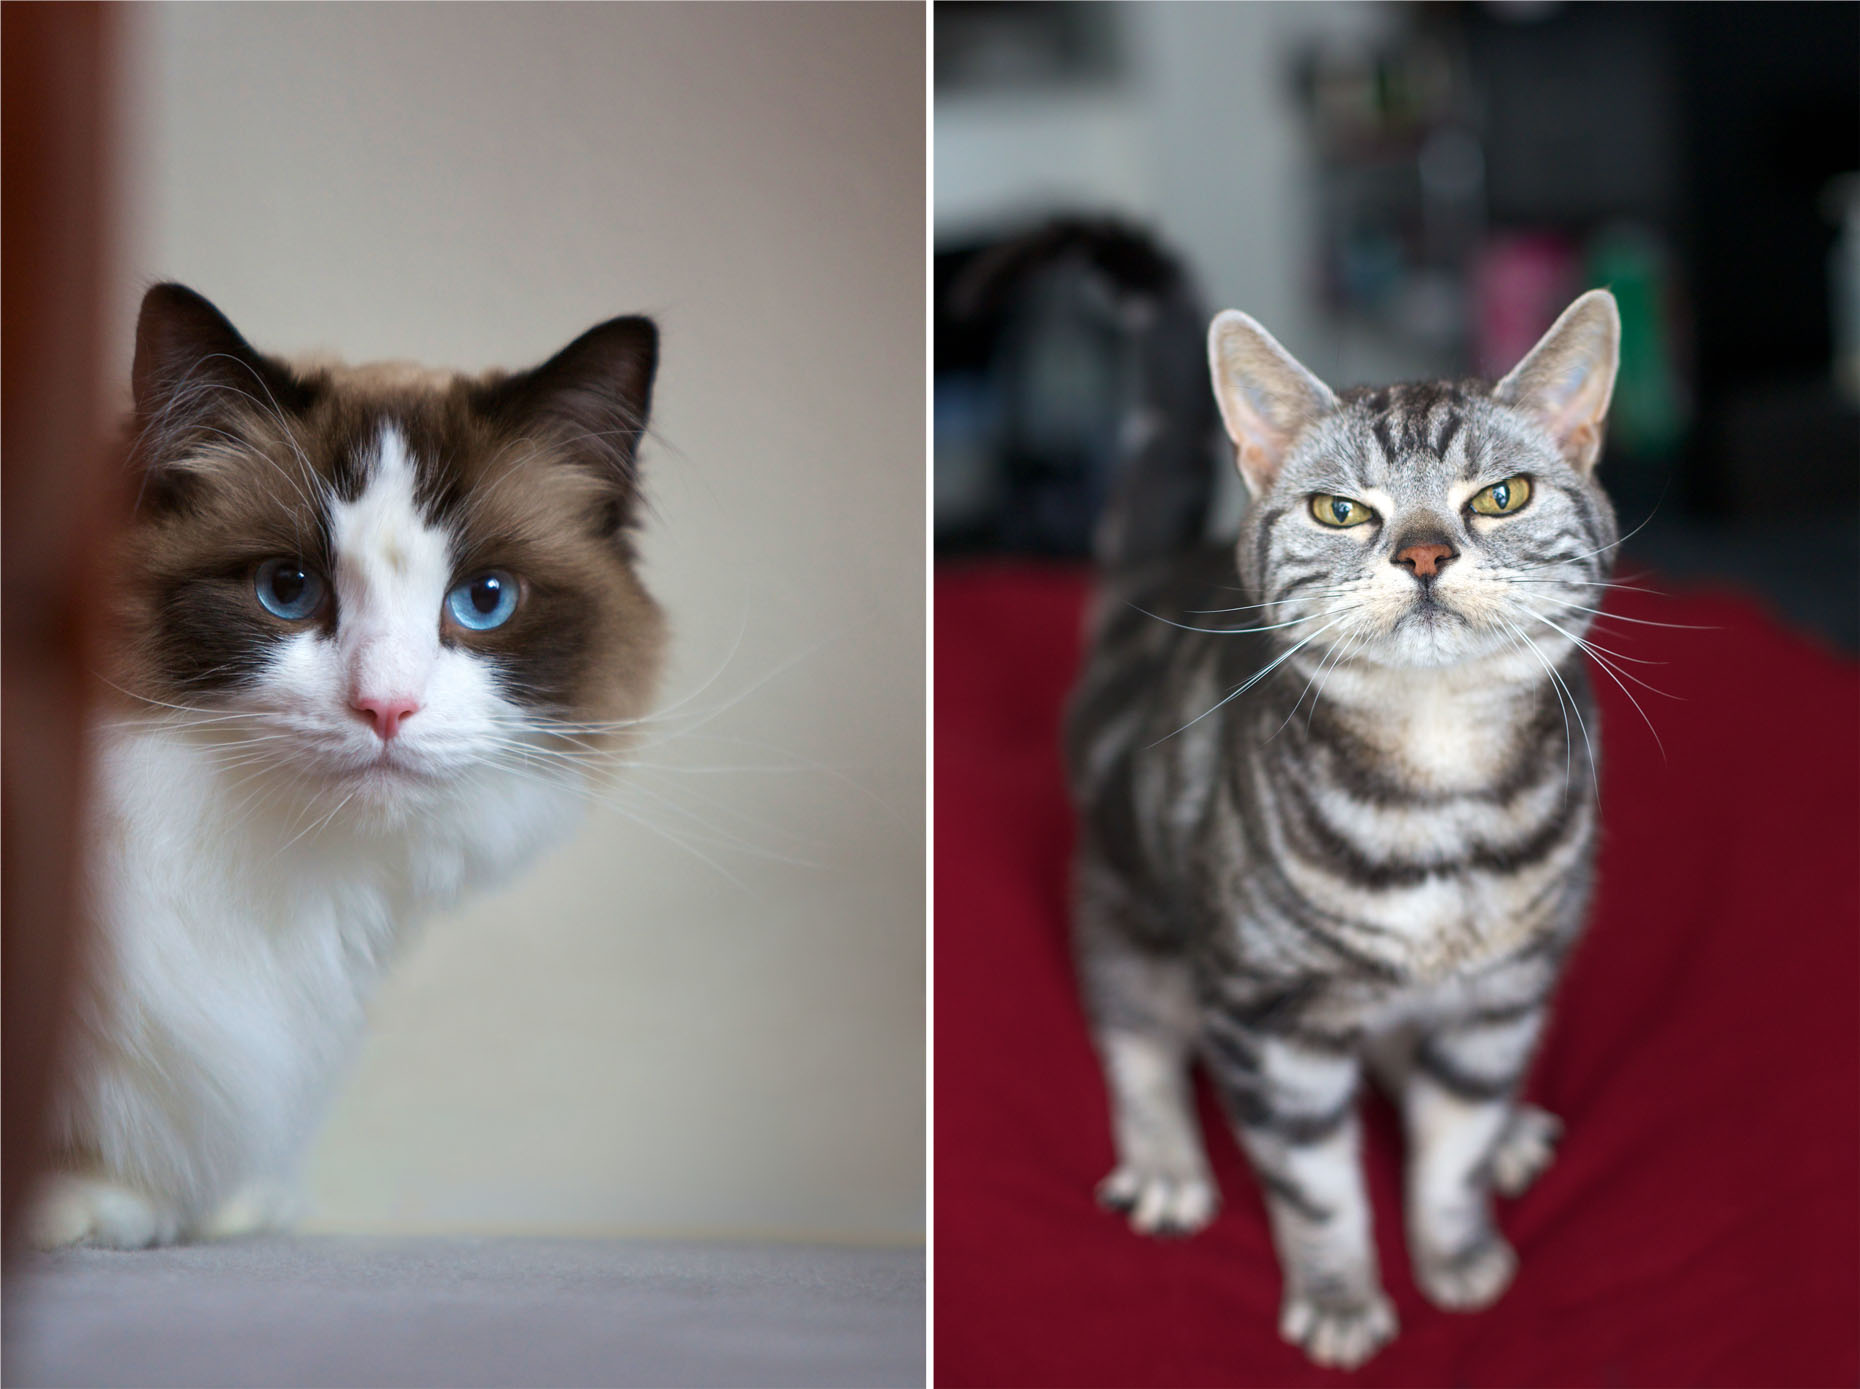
1340,512
1503,498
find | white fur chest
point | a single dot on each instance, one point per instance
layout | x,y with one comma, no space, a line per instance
244,928
1441,731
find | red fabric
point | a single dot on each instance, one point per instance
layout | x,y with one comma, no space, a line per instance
1701,1224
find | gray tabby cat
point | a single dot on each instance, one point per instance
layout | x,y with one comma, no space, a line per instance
1336,786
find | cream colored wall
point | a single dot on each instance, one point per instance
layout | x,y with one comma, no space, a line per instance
629,1039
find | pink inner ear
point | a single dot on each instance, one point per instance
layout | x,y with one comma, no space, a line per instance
1259,446
1570,411
1581,443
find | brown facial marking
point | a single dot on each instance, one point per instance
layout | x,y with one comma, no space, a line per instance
516,469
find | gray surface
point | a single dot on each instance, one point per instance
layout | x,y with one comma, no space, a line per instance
342,1311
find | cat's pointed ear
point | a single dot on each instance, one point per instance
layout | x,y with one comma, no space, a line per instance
1566,381
193,370
1266,395
595,394
188,355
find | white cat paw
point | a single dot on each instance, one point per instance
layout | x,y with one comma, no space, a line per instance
1160,1203
1470,1279
104,1214
1526,1149
1338,1330
259,1207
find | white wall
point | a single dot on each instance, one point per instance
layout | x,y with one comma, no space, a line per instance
629,1040
1202,139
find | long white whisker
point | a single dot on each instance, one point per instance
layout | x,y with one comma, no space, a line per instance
1238,631
1254,679
1637,621
1609,670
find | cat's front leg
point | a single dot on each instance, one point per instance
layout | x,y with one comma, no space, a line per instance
1142,1004
1464,1128
87,1209
1294,1107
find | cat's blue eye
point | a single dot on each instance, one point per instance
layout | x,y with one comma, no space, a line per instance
483,602
287,588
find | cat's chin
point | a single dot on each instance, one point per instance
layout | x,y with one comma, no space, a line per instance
1442,641
386,786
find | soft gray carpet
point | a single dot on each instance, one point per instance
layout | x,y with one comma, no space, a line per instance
466,1312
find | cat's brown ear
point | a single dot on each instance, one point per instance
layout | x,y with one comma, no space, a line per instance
594,396
190,361
1565,382
193,370
1267,397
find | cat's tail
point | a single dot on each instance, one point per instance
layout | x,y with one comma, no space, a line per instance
1168,451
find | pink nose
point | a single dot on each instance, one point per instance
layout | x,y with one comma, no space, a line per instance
1425,561
386,714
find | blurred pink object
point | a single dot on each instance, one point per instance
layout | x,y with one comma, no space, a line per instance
1520,283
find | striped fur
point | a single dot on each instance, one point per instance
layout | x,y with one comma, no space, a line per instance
1337,816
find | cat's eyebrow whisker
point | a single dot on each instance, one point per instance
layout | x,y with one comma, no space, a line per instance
539,449
277,414
477,501
277,411
245,449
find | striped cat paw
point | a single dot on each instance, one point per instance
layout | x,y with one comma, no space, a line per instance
1526,1149
1160,1203
1470,1279
1336,1329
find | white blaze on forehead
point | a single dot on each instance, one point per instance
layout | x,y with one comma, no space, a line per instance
393,568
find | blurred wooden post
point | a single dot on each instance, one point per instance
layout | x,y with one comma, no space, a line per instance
59,495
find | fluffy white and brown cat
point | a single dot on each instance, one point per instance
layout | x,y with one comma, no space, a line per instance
365,621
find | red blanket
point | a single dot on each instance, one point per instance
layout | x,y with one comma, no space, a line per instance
1701,1224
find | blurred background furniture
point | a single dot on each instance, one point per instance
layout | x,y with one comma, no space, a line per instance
1405,191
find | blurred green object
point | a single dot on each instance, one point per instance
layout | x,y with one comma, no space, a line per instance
1651,410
